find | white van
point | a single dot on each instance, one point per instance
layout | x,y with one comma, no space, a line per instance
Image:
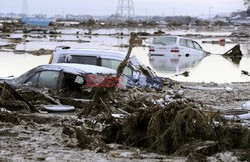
135,70
174,45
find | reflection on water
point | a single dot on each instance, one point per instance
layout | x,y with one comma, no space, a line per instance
173,63
212,68
17,64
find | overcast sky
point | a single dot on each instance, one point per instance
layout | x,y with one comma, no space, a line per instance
107,7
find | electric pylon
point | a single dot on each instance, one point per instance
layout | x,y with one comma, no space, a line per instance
125,8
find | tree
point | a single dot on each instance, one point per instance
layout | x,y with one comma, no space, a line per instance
247,3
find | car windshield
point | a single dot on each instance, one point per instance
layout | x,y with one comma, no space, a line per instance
93,60
90,60
165,40
113,64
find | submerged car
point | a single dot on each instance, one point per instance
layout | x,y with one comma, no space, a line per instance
137,73
62,76
175,45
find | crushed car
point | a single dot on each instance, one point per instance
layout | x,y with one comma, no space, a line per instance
60,76
71,83
137,73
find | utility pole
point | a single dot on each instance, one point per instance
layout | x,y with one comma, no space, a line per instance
209,12
125,8
62,12
25,8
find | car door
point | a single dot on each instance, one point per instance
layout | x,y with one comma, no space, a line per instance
44,79
199,49
184,49
191,47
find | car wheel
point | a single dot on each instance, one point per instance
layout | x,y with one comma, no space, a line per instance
187,55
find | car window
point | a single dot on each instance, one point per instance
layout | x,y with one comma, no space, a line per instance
48,79
62,58
113,64
183,42
165,40
197,46
190,44
33,80
90,60
72,82
79,80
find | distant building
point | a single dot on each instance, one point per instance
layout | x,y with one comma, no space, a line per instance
225,17
78,17
59,17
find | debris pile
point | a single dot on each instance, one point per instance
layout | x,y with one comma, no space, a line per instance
160,120
8,46
13,101
40,52
240,34
166,125
234,54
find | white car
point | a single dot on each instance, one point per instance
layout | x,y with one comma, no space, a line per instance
135,70
105,58
174,45
60,76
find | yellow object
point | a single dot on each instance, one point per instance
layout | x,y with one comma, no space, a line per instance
50,59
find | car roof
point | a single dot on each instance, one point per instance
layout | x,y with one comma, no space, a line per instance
171,36
177,37
78,68
118,55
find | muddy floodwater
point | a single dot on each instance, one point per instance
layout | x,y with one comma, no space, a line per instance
211,68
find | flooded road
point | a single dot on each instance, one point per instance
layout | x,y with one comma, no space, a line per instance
212,68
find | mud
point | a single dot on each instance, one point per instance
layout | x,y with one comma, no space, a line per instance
146,114
53,140
177,122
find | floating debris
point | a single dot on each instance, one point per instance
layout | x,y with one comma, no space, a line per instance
8,46
243,72
40,52
234,54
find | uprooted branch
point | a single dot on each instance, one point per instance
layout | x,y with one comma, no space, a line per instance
100,94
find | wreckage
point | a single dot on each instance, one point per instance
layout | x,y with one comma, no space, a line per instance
234,54
160,120
135,70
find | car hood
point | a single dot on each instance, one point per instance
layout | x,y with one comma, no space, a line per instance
6,79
